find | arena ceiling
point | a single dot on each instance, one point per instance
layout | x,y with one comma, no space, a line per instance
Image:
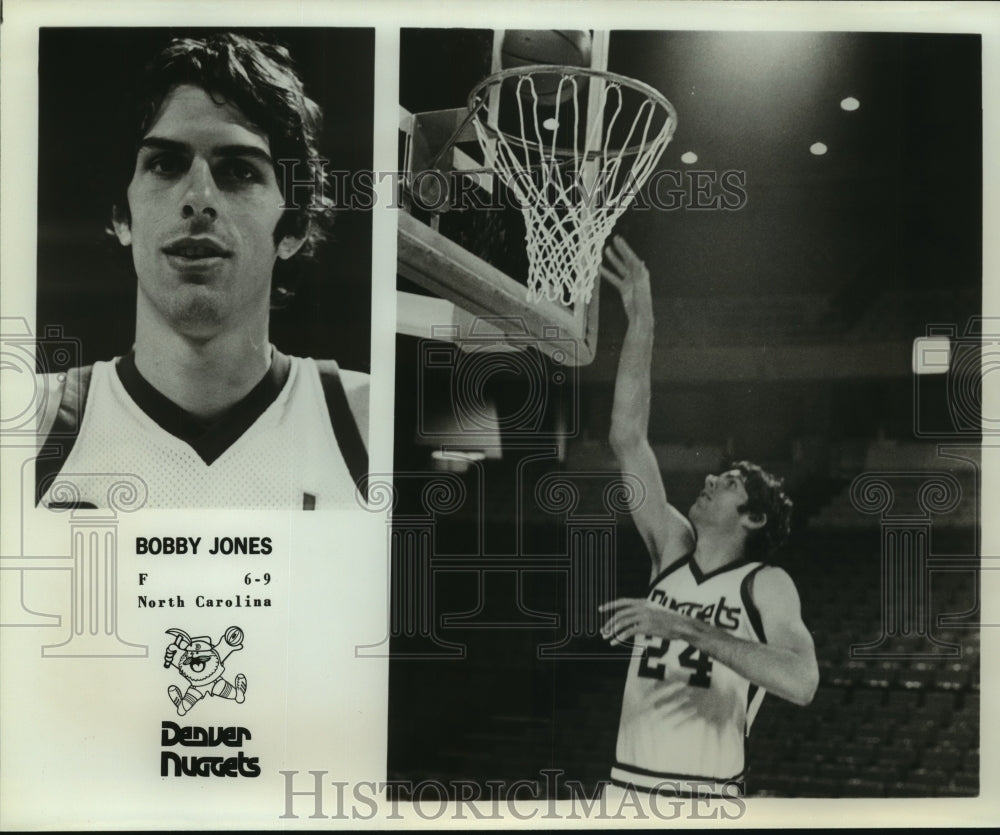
893,204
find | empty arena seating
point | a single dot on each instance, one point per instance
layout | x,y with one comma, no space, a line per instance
894,721
896,713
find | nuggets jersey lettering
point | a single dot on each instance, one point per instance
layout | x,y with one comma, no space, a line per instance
288,458
685,716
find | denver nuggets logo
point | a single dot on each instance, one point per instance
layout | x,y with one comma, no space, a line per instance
719,614
200,662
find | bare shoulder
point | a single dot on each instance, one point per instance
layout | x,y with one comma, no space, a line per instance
677,539
774,584
357,386
63,396
774,593
49,388
356,383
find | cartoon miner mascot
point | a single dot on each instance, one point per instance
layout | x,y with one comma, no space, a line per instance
200,662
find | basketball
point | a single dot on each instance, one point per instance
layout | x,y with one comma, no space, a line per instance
559,47
234,636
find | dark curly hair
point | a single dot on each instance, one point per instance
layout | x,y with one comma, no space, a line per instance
260,79
765,494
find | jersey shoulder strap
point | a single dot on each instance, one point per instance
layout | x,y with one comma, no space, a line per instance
345,427
59,422
746,593
66,397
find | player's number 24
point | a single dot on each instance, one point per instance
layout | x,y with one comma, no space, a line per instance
651,664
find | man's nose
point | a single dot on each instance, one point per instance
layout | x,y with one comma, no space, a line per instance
201,197
710,481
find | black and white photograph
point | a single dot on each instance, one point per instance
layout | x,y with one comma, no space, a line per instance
732,548
635,355
190,326
200,232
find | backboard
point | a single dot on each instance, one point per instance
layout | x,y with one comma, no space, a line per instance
462,259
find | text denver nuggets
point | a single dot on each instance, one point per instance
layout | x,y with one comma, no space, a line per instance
197,766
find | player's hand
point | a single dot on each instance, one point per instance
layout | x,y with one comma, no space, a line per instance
629,617
626,272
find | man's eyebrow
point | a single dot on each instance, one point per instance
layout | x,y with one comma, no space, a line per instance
155,143
244,151
161,144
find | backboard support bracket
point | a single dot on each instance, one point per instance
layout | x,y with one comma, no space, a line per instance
446,141
440,266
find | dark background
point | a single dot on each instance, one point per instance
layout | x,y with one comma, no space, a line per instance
784,334
86,282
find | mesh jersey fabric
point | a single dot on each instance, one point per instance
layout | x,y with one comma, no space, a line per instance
287,458
684,715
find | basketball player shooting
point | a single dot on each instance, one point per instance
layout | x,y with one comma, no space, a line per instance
203,408
719,627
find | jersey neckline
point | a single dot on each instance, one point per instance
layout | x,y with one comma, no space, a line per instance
696,572
208,438
701,576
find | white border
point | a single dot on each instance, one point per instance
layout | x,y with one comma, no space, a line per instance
18,161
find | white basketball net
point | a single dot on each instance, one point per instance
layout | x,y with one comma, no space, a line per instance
571,195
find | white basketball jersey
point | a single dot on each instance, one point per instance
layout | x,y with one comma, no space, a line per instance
686,716
288,458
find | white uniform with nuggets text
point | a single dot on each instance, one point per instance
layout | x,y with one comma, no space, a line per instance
684,715
288,452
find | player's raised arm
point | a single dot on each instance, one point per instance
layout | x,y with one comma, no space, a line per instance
667,533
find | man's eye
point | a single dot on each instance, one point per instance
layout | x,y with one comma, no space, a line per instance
240,172
164,164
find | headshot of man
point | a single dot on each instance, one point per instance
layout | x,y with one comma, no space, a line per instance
221,192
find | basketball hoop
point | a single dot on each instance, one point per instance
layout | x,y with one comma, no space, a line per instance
573,166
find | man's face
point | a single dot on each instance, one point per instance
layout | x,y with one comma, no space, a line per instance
204,205
719,502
